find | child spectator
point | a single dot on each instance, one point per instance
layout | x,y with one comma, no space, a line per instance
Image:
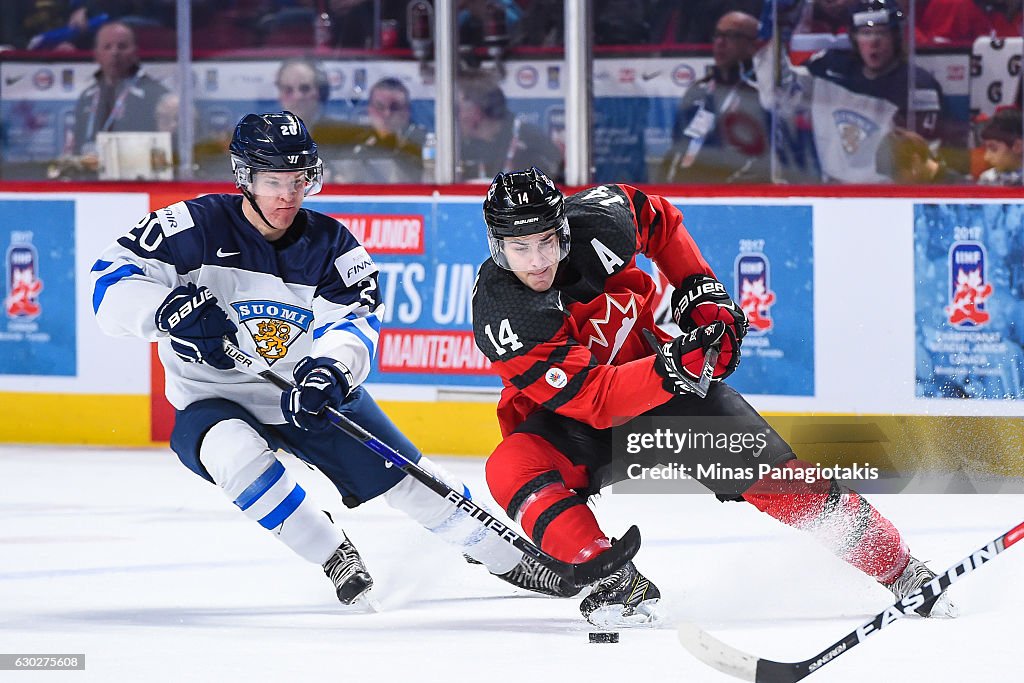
1004,148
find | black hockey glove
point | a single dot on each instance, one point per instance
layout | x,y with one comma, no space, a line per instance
196,325
683,357
319,382
701,300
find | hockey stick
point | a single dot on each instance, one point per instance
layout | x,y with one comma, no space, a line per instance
579,575
710,358
728,659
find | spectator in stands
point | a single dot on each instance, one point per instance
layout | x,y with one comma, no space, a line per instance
721,132
906,158
962,21
1004,148
492,139
303,89
877,66
389,150
122,98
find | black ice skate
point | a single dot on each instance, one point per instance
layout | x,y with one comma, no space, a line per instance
533,576
346,569
913,577
625,598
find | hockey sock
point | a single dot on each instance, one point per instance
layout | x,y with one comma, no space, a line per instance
839,518
453,525
246,470
534,482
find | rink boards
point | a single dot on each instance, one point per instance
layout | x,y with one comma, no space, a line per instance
896,305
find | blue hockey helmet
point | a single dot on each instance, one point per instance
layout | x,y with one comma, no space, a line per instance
274,142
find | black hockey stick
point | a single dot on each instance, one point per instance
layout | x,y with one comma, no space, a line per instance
728,659
579,575
710,358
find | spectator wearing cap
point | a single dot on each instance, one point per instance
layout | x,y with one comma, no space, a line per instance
1004,148
877,66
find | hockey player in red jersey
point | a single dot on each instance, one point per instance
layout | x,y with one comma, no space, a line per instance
559,309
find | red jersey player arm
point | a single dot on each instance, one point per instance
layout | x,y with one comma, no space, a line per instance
662,236
563,376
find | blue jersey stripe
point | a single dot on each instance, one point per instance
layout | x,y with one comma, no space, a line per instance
349,326
262,484
110,279
101,265
282,511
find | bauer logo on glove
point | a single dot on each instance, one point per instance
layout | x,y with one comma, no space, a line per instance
196,326
701,300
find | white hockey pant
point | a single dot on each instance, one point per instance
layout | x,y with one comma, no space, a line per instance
453,525
244,467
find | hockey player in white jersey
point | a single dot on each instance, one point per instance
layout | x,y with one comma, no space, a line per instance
295,288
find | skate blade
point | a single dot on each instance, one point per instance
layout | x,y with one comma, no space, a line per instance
647,614
944,608
365,603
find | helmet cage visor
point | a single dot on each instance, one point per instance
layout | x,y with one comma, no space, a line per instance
245,175
530,253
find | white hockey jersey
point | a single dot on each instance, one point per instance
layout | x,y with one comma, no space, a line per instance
848,127
312,293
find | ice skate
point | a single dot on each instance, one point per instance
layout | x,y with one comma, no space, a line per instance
913,577
625,598
533,576
346,569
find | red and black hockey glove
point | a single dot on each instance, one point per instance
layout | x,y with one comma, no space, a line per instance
683,358
702,300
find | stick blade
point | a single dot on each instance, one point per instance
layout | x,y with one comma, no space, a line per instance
717,654
608,562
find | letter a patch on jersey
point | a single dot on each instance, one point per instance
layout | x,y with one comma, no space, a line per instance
273,326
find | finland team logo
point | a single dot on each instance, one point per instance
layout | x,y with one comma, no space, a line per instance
753,285
23,282
968,288
853,128
273,326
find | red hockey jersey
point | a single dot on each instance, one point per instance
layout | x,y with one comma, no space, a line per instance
578,348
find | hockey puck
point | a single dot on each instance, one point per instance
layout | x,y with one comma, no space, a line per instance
604,636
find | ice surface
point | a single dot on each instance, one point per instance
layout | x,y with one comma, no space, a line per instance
126,556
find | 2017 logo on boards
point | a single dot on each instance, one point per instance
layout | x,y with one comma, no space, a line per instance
753,286
273,326
968,288
23,281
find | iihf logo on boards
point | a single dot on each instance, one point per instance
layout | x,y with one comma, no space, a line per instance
753,286
968,288
23,281
273,326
